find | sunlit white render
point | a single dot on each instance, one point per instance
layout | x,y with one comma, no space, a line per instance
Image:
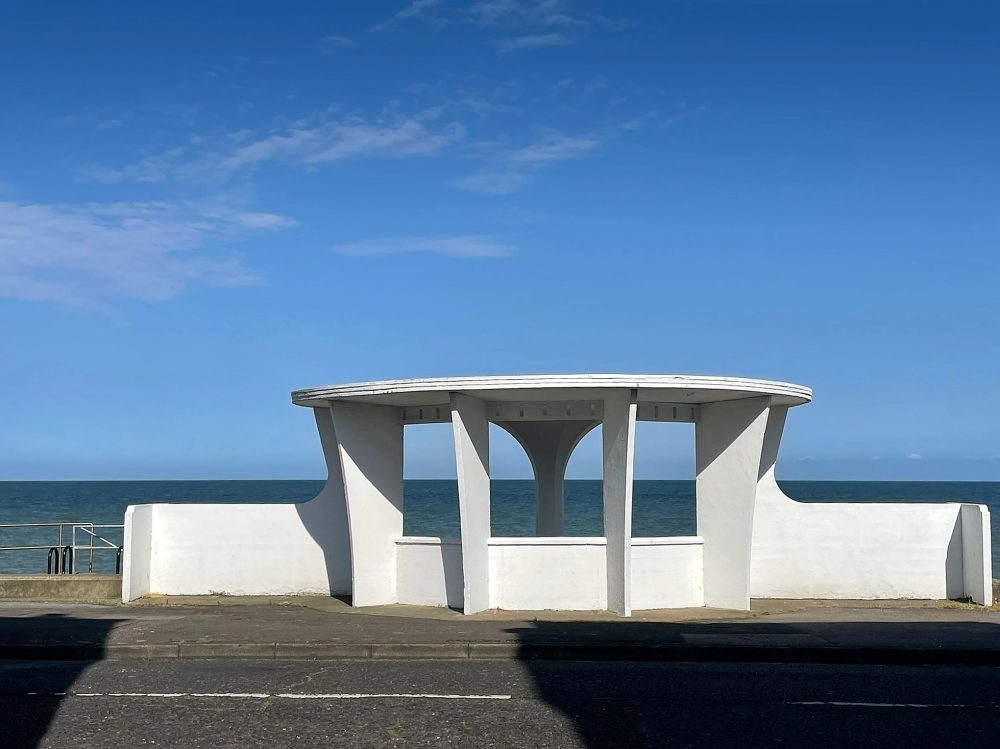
752,542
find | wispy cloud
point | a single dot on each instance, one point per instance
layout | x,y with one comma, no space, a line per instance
510,15
535,41
525,12
334,43
401,131
111,117
310,142
511,168
90,254
914,456
343,139
594,85
466,246
494,181
613,24
414,9
155,168
554,147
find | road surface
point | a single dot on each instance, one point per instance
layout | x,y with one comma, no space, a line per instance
470,703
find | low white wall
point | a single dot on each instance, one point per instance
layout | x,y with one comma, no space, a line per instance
532,574
870,551
429,571
551,573
138,554
667,573
977,554
236,549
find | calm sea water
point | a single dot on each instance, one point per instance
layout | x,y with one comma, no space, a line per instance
660,508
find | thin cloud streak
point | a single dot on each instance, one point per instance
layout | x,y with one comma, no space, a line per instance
309,142
328,137
535,15
511,169
332,43
88,254
556,147
531,41
415,9
525,13
467,247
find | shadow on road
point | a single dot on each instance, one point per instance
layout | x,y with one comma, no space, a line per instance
621,715
32,690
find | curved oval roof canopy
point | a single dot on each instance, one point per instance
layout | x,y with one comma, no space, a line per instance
694,389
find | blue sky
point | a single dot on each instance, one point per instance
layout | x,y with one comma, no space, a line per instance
206,205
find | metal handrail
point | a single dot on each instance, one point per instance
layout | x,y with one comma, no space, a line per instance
88,528
97,542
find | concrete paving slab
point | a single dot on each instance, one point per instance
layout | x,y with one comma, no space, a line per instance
791,631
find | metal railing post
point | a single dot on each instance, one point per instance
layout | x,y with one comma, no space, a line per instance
62,559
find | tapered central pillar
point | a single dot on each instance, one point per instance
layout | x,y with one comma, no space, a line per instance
549,445
472,458
729,441
370,453
619,461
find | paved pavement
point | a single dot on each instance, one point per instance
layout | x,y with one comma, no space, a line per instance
483,703
775,631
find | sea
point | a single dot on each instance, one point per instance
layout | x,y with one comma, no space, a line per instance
660,508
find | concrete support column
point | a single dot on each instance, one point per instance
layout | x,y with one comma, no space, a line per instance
729,442
619,462
325,516
773,430
549,445
370,448
472,458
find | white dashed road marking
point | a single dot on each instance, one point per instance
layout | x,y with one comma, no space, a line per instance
278,695
885,704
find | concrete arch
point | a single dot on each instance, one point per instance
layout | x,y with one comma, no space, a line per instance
503,443
548,445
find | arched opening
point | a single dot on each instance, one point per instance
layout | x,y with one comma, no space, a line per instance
663,487
430,486
663,501
512,486
584,490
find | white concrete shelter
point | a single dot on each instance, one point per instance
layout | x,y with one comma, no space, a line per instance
752,540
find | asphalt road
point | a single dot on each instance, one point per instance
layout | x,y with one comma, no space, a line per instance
267,703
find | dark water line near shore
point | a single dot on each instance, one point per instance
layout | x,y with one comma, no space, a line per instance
660,508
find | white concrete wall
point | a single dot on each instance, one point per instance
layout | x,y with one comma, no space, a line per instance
532,574
237,549
977,553
864,550
820,550
548,573
243,549
429,571
667,573
138,542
